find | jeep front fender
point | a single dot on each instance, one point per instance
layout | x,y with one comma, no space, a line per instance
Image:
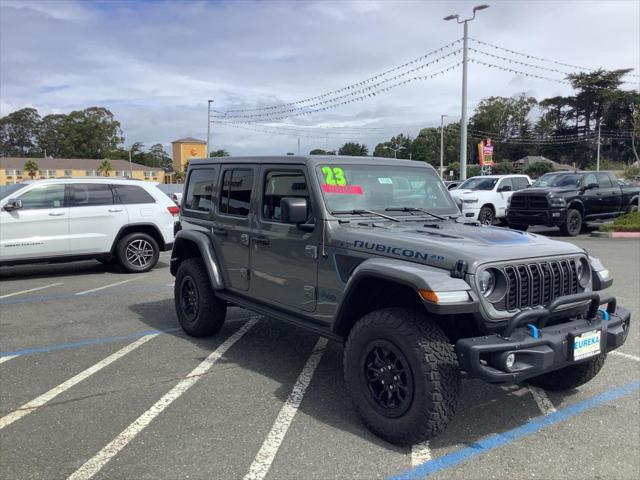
183,246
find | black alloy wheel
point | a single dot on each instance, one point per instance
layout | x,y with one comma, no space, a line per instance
189,298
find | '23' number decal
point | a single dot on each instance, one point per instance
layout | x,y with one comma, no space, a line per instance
334,176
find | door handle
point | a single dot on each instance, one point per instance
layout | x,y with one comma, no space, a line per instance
262,240
220,232
56,214
115,209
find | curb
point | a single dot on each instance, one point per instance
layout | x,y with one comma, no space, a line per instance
616,234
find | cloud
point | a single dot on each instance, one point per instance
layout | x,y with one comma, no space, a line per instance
155,64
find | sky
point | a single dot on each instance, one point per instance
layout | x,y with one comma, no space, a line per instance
155,64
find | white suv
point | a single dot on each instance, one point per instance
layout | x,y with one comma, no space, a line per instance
111,220
485,198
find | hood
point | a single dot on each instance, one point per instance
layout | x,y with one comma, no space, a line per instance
443,243
458,192
547,190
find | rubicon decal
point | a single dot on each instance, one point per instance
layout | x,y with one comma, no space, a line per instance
400,251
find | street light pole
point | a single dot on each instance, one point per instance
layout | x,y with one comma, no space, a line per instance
209,102
442,146
463,116
395,150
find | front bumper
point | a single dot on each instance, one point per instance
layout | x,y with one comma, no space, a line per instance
470,213
484,357
551,218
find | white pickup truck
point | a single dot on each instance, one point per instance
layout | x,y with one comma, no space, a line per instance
485,198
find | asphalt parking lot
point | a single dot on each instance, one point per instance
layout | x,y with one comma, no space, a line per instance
98,381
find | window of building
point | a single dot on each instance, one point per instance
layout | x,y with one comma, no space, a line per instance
89,194
68,173
90,173
603,180
278,185
200,190
130,194
236,192
43,196
18,173
148,173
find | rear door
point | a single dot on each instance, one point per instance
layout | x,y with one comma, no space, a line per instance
610,194
231,228
39,229
95,217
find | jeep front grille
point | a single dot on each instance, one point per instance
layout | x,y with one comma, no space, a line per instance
538,284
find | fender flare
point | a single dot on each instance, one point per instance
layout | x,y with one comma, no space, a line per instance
413,275
207,253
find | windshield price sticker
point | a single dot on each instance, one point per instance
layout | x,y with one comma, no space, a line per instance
334,176
343,189
385,181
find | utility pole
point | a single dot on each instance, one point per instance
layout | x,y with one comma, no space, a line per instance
298,145
130,167
463,116
442,146
209,102
598,151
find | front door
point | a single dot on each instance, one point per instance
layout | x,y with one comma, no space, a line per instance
39,229
503,196
283,257
591,197
231,229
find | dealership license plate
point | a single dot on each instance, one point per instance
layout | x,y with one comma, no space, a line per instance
586,345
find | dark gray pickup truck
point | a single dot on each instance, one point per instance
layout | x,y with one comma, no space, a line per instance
570,199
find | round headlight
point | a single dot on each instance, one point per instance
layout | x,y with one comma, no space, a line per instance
487,282
583,271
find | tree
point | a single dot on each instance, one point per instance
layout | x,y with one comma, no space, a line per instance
50,134
90,133
158,155
31,167
318,151
538,169
354,149
18,133
178,175
105,167
502,168
219,153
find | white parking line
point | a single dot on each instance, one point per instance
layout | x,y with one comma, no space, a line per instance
100,459
420,453
29,291
625,355
544,404
29,407
269,449
7,358
111,285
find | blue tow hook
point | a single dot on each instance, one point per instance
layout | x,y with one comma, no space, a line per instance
533,330
604,314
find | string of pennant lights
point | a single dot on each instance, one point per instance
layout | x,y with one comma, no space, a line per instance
519,72
353,86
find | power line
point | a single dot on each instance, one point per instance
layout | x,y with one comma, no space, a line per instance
526,74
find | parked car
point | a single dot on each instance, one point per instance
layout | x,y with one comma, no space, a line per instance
123,221
372,253
173,191
485,198
452,185
569,199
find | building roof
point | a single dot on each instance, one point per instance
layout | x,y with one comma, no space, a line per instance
531,159
70,164
189,140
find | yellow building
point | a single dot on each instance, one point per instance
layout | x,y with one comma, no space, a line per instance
185,149
12,169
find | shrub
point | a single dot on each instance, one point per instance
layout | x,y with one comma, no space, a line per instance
631,172
629,222
538,169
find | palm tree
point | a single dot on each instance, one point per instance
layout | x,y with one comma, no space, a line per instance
32,168
105,167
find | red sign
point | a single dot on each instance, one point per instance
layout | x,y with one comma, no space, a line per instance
343,189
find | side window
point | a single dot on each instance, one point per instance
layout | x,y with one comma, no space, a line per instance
506,182
130,194
278,185
236,192
200,190
519,183
43,196
603,180
589,179
89,194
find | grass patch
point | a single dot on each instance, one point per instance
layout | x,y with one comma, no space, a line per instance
629,222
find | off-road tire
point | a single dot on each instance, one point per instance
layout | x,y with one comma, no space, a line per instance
432,363
130,241
486,215
210,311
570,377
572,225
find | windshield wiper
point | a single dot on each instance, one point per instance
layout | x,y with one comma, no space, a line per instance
362,211
413,209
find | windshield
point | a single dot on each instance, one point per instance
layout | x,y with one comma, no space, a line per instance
368,187
479,183
8,190
559,180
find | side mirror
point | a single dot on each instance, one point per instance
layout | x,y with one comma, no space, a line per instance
504,188
13,204
591,186
293,210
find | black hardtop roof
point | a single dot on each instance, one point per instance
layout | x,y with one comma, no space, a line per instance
311,160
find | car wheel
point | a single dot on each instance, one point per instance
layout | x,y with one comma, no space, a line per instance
633,207
486,216
573,223
200,312
402,373
570,377
137,252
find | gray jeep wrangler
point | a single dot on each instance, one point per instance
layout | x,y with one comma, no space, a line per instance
373,253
